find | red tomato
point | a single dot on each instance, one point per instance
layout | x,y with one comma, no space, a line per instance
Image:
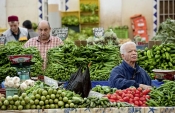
142,98
119,92
144,102
113,97
146,91
136,98
136,103
137,92
131,100
123,95
147,97
139,88
119,97
129,92
126,99
131,96
144,105
137,95
140,103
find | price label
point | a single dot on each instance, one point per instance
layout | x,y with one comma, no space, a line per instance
2,40
60,32
50,82
98,32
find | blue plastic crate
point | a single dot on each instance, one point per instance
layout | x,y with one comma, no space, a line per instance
141,47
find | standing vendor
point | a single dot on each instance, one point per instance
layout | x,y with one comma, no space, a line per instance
15,33
129,73
44,41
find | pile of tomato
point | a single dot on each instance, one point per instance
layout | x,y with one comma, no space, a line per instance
132,95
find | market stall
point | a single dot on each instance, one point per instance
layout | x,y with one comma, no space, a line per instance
85,69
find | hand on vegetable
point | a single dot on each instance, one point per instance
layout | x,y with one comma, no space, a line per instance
145,86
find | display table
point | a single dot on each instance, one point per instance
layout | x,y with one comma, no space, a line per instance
99,110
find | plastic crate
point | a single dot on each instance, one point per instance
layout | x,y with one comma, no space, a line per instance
141,47
2,91
122,33
11,91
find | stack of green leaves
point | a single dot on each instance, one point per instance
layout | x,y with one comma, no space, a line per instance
65,60
166,31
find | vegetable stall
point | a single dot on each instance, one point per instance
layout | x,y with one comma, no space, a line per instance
101,55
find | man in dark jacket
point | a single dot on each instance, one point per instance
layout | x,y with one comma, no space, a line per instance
128,73
28,25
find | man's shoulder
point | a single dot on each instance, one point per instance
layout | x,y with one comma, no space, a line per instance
118,67
7,32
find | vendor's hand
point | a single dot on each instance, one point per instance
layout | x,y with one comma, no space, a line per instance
145,86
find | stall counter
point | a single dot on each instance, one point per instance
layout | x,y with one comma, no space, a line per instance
99,110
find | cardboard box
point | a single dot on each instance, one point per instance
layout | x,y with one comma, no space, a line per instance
153,42
80,43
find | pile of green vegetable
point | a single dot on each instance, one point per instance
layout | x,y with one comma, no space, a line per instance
166,32
50,98
89,19
70,20
65,60
16,48
88,7
109,38
163,95
159,57
103,89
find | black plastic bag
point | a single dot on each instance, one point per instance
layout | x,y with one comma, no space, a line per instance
80,82
73,77
86,82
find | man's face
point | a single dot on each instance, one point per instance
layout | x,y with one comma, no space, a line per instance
14,26
130,54
44,31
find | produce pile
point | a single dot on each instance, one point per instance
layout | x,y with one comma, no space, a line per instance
70,20
89,19
159,57
109,38
16,48
136,97
14,82
88,8
46,97
166,32
65,60
163,95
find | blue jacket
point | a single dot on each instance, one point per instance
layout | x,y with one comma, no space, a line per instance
122,76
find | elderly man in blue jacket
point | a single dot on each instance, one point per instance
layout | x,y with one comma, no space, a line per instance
128,73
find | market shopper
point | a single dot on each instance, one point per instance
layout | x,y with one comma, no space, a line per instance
129,73
28,25
14,33
44,41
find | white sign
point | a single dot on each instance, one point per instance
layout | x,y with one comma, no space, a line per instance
2,40
98,32
60,32
50,82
